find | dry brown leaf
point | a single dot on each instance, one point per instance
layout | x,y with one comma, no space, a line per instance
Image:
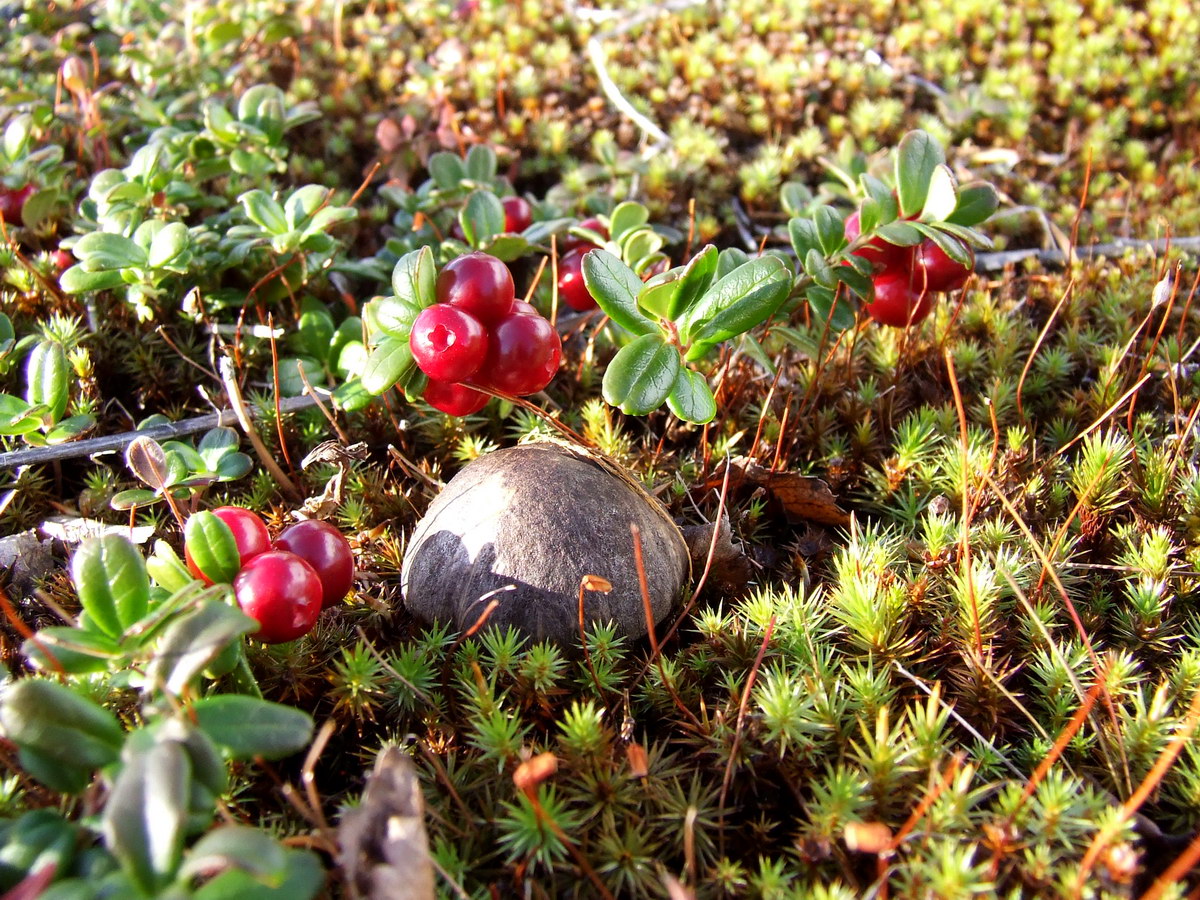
803,497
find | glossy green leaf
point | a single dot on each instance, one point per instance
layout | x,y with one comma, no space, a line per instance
976,203
447,170
247,726
216,444
626,217
506,247
691,399
171,241
71,650
729,259
916,159
303,203
414,278
233,466
831,235
101,250
951,246
167,569
251,850
904,234
265,211
316,329
52,720
658,294
77,280
641,375
388,362
482,218
827,307
47,376
212,547
481,163
303,879
391,316
146,813
804,236
111,580
752,288
191,642
19,417
615,288
137,497
697,277
69,429
942,198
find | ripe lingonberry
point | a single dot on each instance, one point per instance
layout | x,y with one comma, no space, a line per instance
454,399
571,288
281,592
522,308
897,301
478,284
518,214
448,343
523,356
325,549
936,271
12,204
574,242
249,533
879,253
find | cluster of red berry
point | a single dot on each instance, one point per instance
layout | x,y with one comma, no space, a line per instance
285,585
906,278
479,334
571,288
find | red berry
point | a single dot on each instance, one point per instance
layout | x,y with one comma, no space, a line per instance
518,214
522,357
448,343
897,301
12,204
571,288
325,549
454,399
62,260
879,253
478,284
457,233
282,593
521,308
249,533
935,271
574,242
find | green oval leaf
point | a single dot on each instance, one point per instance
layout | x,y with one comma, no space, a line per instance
71,650
697,276
191,642
976,203
51,720
47,373
626,217
247,726
615,288
747,282
212,547
942,198
641,375
916,159
482,218
110,577
690,398
388,362
414,278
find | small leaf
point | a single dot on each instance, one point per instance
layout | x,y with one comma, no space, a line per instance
234,466
111,579
146,812
942,197
615,288
167,569
147,460
191,642
211,545
482,218
77,280
691,399
626,217
830,231
916,159
506,247
216,444
123,500
102,250
303,879
316,328
265,211
251,850
826,306
951,246
71,650
447,170
697,277
47,375
414,279
804,236
641,375
481,163
753,288
50,719
302,204
69,429
247,726
976,203
903,234
729,259
639,244
388,362
658,294
168,244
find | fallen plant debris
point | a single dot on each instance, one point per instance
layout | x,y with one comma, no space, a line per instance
890,309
